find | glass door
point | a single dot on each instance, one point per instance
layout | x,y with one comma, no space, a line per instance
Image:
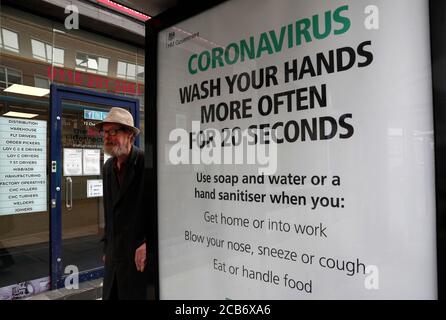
81,189
77,214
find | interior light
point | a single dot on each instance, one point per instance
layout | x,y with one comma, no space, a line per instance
20,114
27,90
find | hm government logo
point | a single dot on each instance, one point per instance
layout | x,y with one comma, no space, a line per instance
172,41
171,36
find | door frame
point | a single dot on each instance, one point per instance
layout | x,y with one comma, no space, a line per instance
57,94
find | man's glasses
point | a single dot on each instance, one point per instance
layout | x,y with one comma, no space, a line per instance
111,132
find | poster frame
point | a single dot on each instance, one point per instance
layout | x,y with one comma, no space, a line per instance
183,11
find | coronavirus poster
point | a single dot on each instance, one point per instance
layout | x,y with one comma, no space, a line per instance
295,152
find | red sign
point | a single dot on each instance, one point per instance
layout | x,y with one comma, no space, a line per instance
95,81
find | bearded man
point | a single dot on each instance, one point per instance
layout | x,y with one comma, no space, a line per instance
125,253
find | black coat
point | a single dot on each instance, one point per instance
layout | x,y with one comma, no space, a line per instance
125,228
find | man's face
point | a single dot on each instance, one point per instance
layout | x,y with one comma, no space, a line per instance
118,144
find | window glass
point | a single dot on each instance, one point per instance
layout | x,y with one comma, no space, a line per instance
140,73
2,74
10,40
92,63
14,76
103,66
58,56
38,49
9,76
81,60
41,82
122,69
2,78
49,53
44,51
130,71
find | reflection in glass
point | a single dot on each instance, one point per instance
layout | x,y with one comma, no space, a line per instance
91,63
44,51
10,40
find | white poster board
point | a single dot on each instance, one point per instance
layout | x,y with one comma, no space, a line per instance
23,180
72,162
343,206
91,162
94,188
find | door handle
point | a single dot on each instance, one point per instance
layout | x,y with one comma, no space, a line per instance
69,194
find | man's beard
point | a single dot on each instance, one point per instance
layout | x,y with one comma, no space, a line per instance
114,150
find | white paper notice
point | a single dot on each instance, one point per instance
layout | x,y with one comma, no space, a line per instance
72,162
91,161
94,188
23,166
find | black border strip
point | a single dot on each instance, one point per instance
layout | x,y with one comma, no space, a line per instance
437,14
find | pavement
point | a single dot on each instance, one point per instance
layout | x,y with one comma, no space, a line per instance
88,290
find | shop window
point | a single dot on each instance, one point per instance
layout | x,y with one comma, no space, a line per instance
44,51
130,71
91,63
9,76
9,40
